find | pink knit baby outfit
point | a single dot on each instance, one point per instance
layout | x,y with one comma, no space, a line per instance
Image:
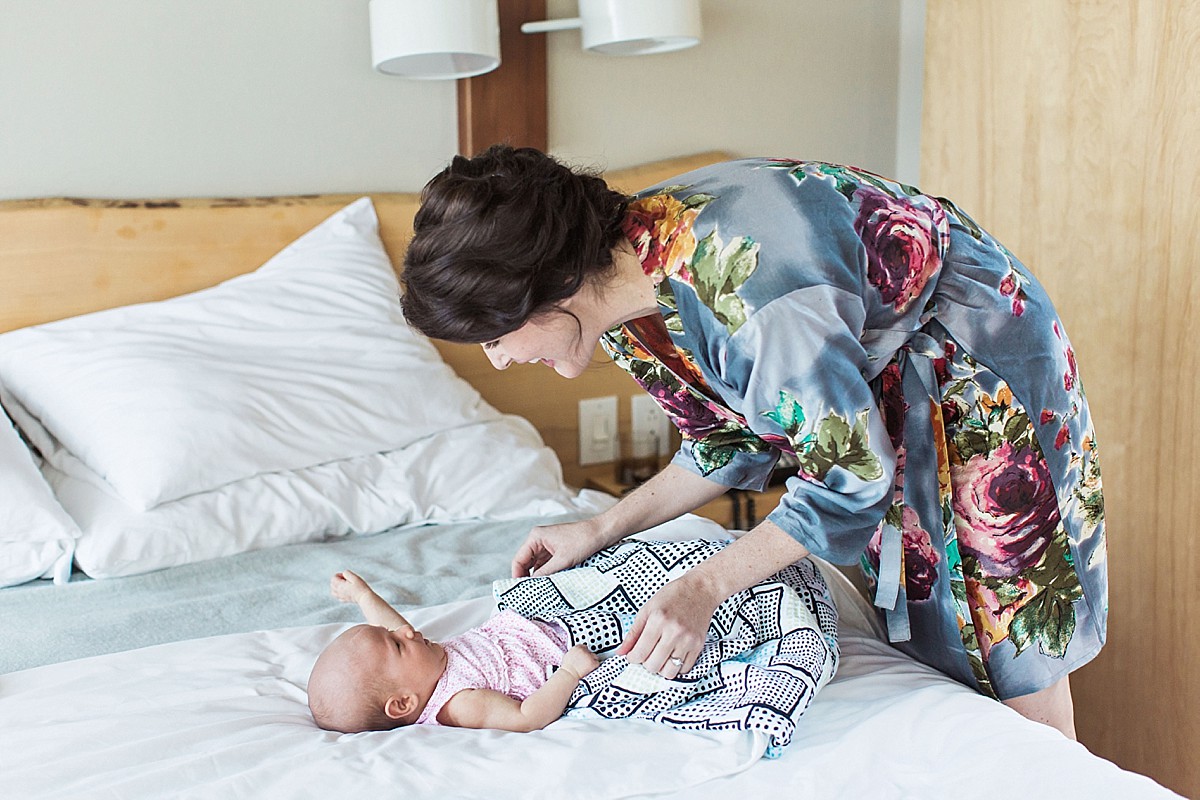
508,653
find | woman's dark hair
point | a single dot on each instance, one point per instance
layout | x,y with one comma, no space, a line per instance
503,237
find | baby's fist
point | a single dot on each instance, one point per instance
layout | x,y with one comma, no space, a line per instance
346,586
579,661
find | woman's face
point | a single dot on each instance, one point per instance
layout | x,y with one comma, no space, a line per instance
554,339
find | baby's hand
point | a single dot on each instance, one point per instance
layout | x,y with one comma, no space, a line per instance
347,587
579,661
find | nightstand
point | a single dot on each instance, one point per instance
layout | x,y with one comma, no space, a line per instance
738,509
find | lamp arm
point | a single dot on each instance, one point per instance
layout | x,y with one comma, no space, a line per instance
548,25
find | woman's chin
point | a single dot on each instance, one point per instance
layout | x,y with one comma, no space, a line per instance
568,370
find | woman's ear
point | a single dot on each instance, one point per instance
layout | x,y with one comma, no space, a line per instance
400,706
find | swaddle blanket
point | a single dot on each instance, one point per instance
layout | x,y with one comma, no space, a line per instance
769,648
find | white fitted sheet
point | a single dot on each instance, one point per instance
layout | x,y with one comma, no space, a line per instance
226,717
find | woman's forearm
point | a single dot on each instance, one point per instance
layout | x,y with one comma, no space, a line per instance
667,495
751,559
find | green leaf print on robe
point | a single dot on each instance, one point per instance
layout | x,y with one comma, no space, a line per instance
718,270
1049,618
834,443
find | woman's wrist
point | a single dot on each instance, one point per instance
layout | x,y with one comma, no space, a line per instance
754,557
607,529
709,586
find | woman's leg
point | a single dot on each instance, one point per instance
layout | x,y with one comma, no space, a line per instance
1051,706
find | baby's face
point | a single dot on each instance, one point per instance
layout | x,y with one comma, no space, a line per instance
365,670
402,658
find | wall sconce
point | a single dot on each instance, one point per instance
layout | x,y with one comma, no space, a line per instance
434,39
631,27
449,39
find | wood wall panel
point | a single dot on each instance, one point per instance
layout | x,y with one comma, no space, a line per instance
508,104
1071,130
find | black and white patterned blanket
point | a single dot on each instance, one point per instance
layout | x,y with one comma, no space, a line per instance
770,648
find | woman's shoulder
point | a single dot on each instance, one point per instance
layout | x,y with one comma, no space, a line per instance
721,173
786,172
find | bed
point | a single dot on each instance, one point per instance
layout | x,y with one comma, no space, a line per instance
239,413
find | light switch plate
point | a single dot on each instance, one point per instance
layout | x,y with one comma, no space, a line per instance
598,439
651,427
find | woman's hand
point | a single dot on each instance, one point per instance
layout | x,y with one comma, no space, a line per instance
669,632
668,494
551,548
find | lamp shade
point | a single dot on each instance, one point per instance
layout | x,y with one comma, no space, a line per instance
435,39
639,27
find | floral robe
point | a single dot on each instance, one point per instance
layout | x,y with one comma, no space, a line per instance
919,378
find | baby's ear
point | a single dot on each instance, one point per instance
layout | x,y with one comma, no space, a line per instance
400,706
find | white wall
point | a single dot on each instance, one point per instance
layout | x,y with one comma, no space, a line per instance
155,98
814,79
910,91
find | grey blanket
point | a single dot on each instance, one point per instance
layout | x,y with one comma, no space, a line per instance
41,623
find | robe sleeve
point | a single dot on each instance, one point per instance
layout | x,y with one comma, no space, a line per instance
798,364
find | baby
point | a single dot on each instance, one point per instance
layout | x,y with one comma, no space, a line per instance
385,674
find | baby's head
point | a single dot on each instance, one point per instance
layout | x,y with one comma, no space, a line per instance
373,679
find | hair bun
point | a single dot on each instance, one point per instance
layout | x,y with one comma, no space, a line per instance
504,236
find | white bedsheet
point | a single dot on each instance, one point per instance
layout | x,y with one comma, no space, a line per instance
226,717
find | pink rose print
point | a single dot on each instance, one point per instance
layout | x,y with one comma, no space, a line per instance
1011,287
892,405
920,559
1064,436
694,418
1005,509
1072,374
902,241
953,411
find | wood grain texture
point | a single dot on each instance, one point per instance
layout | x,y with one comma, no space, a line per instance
508,104
1069,129
60,257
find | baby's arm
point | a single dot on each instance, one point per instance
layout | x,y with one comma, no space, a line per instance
349,588
485,708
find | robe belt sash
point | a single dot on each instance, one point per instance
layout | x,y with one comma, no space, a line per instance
918,378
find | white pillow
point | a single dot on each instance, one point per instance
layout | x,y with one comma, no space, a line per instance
305,361
36,535
497,470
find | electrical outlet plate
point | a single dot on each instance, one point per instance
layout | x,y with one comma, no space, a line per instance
651,427
598,440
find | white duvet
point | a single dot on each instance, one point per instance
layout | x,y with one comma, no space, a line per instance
226,717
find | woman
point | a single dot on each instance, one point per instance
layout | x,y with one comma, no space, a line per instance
914,368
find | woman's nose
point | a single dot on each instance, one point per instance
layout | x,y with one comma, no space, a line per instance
498,359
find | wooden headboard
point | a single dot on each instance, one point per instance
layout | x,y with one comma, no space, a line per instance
60,257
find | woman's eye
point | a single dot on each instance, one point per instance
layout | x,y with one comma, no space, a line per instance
490,345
